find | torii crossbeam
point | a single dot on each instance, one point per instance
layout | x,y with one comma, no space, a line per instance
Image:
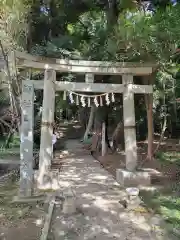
50,86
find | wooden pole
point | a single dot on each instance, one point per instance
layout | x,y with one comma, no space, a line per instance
46,147
26,148
129,123
46,228
149,107
103,139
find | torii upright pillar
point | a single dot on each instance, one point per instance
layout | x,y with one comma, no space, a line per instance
129,124
46,147
130,176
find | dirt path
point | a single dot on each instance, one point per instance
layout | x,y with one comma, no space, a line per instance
24,221
18,221
99,215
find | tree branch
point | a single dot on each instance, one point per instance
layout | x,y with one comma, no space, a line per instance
13,102
6,124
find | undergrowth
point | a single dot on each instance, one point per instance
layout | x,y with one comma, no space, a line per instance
166,200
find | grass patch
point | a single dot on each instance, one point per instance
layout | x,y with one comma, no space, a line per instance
165,202
9,151
12,149
10,211
7,210
169,157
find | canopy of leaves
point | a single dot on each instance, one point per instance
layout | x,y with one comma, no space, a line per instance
13,23
98,30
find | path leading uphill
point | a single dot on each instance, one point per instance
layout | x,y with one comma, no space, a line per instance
99,213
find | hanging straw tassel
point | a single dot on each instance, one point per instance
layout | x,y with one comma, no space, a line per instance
64,96
71,97
101,101
112,97
107,99
77,100
96,102
89,101
83,101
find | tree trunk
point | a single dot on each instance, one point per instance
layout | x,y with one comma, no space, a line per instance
96,139
90,122
83,118
14,104
118,136
162,135
112,13
103,139
149,107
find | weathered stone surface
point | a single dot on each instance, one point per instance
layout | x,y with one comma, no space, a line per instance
137,178
26,148
69,204
129,123
132,204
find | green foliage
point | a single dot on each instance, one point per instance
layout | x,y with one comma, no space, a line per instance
168,157
137,36
13,22
147,37
80,30
4,100
166,204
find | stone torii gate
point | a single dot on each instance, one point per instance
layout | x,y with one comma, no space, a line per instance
50,86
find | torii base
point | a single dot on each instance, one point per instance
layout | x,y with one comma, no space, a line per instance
32,199
133,179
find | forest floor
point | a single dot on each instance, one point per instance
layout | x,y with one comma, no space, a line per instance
100,214
25,221
21,221
164,196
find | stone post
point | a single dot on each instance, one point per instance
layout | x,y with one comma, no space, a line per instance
26,148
